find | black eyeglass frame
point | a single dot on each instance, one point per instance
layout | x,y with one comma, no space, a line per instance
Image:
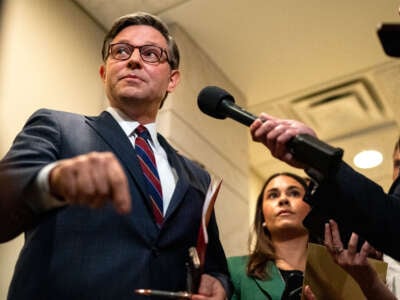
132,49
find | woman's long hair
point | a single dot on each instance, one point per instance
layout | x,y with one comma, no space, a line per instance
264,250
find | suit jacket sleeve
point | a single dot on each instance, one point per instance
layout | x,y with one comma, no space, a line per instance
360,205
33,148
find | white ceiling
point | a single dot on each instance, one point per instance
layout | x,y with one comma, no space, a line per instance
276,51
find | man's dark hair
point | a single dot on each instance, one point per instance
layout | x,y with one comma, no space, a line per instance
142,18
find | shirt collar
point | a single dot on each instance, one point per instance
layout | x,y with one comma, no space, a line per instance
129,126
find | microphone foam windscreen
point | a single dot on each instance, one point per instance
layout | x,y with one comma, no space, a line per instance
209,100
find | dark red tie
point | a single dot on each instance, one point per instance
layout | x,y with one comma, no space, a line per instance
149,168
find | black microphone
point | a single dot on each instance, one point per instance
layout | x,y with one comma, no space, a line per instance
218,103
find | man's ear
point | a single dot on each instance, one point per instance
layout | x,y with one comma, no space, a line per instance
174,79
102,72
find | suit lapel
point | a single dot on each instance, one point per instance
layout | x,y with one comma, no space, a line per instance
275,286
110,131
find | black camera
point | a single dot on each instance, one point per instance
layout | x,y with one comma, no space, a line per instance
389,35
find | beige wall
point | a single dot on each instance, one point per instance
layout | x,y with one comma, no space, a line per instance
50,58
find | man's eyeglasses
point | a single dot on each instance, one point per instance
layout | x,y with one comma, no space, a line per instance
149,53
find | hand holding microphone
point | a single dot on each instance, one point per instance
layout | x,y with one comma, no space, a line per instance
282,137
288,140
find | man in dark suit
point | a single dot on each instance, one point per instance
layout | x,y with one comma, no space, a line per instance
348,197
74,185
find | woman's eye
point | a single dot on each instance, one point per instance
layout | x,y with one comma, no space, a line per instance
272,196
295,194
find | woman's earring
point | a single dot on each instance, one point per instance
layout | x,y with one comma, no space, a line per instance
264,225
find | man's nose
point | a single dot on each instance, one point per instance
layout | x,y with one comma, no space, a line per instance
135,58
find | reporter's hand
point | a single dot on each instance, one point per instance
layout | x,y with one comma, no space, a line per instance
356,263
275,133
210,289
91,179
353,262
308,293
